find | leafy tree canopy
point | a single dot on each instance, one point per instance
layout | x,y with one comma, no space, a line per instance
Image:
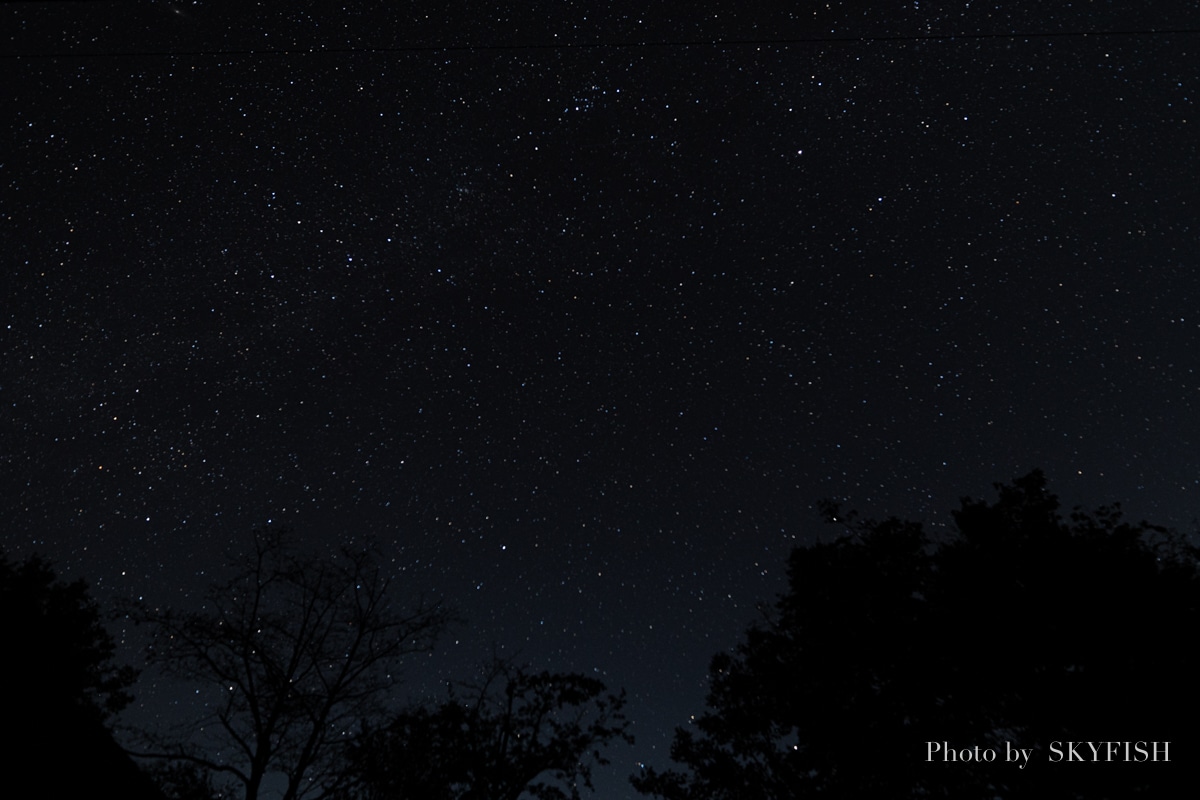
1023,628
58,661
515,734
58,652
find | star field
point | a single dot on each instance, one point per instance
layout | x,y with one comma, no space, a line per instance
581,315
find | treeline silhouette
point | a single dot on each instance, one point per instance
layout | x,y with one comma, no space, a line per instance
1025,653
1023,631
64,688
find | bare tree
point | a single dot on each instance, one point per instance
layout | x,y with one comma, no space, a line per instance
297,653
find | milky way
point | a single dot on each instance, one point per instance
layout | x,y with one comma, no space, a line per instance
581,315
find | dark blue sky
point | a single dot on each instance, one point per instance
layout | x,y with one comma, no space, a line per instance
581,313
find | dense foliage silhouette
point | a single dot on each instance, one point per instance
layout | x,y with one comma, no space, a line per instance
62,647
515,734
58,663
1022,628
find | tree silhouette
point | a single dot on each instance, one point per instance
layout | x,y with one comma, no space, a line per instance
58,664
59,642
1023,629
185,780
295,652
514,734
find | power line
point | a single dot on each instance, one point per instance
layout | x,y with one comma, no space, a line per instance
694,43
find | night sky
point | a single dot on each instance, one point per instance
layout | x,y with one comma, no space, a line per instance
580,312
